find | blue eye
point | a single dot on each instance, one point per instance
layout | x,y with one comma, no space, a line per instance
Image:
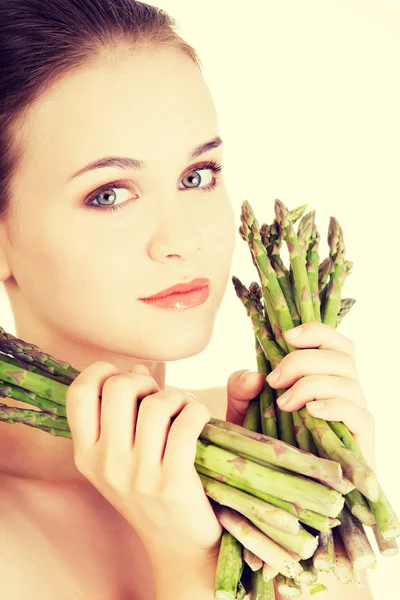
104,198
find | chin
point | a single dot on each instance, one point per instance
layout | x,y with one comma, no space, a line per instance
182,344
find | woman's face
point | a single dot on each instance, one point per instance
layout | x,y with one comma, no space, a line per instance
80,271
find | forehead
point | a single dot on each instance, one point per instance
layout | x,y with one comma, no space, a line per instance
140,106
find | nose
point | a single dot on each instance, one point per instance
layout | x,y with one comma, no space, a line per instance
175,237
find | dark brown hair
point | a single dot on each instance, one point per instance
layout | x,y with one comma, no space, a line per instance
43,40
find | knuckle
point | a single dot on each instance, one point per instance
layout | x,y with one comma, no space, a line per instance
199,410
154,403
117,384
177,394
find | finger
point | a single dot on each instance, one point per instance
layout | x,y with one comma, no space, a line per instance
180,451
119,407
83,404
358,420
152,430
242,387
319,335
139,369
321,387
300,363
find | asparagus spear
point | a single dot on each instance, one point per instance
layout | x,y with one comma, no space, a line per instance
287,587
30,367
324,556
261,590
287,431
302,543
337,251
345,306
272,242
241,591
275,452
32,354
386,547
267,274
270,348
229,568
251,538
304,492
252,420
249,506
343,568
354,469
308,517
269,306
309,576
268,573
302,287
12,391
272,352
34,418
283,277
324,270
266,398
39,384
305,232
355,541
312,271
358,507
255,563
386,519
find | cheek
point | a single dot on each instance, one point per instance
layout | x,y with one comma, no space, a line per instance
225,233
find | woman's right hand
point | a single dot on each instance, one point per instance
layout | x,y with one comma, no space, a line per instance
126,446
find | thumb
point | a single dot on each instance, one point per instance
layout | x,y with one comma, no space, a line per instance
243,386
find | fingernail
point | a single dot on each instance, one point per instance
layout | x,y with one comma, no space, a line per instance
192,396
317,405
284,399
274,375
243,375
294,333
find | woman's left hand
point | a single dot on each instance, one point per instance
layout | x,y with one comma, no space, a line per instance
323,377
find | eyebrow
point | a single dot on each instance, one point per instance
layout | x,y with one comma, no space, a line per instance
124,162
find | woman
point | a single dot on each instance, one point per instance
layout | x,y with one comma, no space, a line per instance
120,512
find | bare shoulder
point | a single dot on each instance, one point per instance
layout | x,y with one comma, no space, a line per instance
214,398
30,568
67,544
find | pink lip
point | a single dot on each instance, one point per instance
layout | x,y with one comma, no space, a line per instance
180,288
181,301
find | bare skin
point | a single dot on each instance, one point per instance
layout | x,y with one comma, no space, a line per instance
77,295
89,550
75,277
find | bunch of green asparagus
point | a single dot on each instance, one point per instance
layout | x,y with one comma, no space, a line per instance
281,484
285,297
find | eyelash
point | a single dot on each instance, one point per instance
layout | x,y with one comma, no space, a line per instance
211,165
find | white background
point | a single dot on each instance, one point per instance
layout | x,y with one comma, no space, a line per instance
308,97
